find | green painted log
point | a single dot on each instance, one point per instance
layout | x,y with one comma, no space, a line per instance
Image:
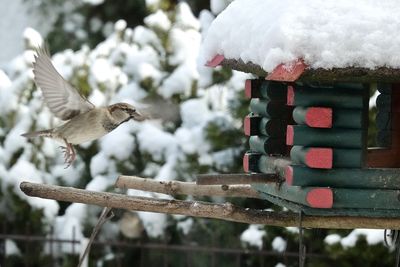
256,125
366,213
316,117
268,164
267,145
256,162
325,97
312,157
323,118
250,162
343,177
257,88
270,109
327,158
336,198
315,197
316,137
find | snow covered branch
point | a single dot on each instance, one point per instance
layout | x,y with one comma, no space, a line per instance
185,188
225,211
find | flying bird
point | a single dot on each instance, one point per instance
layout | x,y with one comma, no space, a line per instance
84,121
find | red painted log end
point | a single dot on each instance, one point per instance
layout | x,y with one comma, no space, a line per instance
320,198
290,96
246,162
247,89
288,72
289,135
319,117
321,158
247,126
289,175
215,61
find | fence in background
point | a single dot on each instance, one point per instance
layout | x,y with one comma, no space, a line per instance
118,253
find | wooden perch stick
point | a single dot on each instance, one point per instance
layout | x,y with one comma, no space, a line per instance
237,178
225,211
185,188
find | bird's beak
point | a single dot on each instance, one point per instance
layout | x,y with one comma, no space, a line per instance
137,116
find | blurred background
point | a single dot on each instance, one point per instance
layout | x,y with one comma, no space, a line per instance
142,52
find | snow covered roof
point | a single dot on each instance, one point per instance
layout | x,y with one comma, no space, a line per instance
325,34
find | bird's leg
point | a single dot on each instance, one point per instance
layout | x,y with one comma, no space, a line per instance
69,153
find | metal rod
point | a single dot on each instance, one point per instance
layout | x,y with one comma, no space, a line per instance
237,178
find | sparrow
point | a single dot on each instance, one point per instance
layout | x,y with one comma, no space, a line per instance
84,121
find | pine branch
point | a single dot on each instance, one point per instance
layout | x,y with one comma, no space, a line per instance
185,188
225,211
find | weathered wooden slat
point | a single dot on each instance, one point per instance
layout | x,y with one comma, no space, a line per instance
327,158
256,125
348,118
366,214
336,97
316,137
316,117
336,198
215,61
256,162
315,197
270,109
287,72
267,145
236,178
256,88
312,157
349,74
343,177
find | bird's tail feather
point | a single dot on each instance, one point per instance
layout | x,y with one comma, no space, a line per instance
44,133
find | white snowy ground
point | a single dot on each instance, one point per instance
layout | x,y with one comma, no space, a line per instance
325,33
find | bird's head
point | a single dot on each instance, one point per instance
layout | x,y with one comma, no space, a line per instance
122,112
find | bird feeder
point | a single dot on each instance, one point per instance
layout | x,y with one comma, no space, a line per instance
310,127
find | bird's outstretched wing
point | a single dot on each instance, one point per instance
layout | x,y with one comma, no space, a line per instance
60,96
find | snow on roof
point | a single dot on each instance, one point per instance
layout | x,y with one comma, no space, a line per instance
325,33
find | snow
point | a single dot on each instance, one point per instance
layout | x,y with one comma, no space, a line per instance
218,5
325,33
157,143
253,236
373,237
185,18
26,171
11,248
158,20
332,239
120,25
33,38
154,223
279,244
118,144
185,225
93,2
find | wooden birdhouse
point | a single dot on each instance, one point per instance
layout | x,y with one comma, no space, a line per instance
310,127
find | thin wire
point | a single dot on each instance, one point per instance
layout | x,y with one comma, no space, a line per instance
302,248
